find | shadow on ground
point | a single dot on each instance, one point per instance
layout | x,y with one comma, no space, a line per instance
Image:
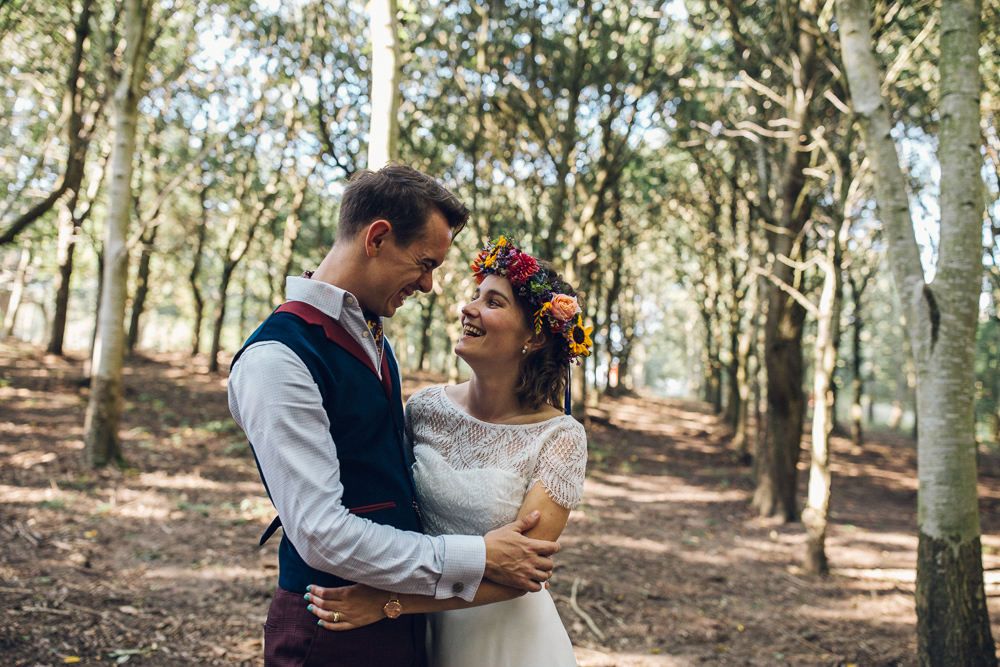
663,564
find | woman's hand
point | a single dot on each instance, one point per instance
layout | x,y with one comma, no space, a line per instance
347,607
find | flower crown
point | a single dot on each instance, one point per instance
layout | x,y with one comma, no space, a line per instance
553,308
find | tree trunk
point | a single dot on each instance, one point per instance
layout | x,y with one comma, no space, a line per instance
611,299
199,301
778,480
101,437
293,224
711,391
259,216
777,484
758,385
737,363
20,277
220,317
384,127
857,384
578,390
89,361
141,286
568,134
733,402
68,222
953,622
824,364
246,294
64,258
741,381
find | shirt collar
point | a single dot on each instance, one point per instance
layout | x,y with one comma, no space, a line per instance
328,298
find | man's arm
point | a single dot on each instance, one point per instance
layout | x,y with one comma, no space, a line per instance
276,402
357,606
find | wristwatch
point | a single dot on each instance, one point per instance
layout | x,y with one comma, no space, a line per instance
392,608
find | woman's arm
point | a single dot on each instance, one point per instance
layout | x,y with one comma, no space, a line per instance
360,605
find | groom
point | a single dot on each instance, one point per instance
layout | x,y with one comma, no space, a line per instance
316,389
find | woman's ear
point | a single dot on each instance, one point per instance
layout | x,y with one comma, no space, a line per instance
538,341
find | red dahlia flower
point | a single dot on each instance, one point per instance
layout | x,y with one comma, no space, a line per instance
521,268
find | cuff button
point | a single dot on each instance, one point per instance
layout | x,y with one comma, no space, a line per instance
458,587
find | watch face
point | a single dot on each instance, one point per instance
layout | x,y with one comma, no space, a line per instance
393,609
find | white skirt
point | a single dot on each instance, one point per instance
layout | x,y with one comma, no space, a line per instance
526,632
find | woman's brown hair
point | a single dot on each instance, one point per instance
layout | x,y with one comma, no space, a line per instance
544,369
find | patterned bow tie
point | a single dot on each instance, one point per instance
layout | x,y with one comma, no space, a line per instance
374,323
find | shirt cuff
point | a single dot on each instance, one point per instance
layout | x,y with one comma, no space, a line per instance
464,566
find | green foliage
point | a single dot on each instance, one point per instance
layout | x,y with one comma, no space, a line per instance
638,145
987,367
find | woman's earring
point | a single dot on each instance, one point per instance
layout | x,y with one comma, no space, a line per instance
524,350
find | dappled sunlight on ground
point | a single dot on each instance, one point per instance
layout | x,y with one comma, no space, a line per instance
592,658
645,491
20,494
162,480
664,554
207,571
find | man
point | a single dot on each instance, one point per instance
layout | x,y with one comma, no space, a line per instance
317,391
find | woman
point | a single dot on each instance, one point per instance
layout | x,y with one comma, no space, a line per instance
488,451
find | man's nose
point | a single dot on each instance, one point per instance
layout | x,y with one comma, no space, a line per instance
426,282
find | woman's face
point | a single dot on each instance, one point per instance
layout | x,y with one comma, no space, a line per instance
493,326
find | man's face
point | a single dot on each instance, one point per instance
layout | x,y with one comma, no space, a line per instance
403,271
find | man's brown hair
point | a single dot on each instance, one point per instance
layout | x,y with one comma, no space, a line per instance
401,195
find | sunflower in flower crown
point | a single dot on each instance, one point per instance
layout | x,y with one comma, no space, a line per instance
555,310
579,337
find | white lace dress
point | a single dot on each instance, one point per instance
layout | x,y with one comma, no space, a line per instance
471,478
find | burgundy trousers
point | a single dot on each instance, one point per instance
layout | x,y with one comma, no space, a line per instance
293,638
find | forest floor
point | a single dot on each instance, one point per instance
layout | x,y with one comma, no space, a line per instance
157,564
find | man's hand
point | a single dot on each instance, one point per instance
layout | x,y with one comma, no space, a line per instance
518,561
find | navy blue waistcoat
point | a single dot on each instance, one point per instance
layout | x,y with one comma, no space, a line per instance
366,423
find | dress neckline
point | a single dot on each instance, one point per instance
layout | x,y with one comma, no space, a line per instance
450,404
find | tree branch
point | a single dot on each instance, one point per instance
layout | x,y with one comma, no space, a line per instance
788,289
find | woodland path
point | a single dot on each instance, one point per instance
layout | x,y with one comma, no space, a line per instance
157,565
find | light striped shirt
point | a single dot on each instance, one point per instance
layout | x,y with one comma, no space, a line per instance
275,401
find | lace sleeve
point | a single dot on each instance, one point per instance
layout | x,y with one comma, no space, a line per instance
562,465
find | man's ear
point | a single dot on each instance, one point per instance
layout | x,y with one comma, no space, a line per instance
378,234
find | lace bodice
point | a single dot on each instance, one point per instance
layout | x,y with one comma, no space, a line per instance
472,475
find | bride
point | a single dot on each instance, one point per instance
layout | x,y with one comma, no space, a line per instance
488,451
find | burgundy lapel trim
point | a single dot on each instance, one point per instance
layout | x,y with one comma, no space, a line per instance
336,333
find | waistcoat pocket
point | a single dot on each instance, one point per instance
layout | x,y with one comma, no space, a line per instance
365,509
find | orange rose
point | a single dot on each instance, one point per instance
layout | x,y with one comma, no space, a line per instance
564,307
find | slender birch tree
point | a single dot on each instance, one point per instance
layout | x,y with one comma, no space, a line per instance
814,517
384,126
101,438
953,623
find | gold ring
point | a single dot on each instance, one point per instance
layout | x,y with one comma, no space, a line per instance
336,617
